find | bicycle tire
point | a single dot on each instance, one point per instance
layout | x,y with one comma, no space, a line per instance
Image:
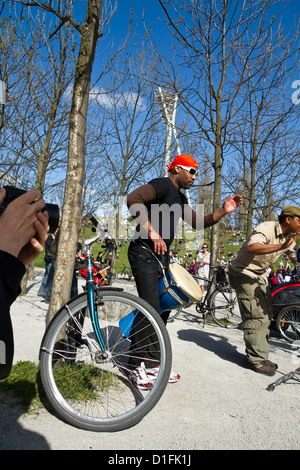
224,308
73,377
288,323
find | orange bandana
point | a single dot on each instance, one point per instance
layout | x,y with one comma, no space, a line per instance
184,160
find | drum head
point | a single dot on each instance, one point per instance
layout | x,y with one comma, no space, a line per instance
185,282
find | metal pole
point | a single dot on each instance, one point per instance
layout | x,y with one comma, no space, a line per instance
167,102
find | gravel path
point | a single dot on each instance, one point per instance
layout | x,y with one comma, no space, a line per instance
217,404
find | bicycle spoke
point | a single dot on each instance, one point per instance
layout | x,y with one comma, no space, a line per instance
224,308
94,390
288,323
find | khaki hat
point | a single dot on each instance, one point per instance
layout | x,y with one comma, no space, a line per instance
291,211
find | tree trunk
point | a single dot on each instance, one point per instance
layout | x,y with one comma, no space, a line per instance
71,212
214,242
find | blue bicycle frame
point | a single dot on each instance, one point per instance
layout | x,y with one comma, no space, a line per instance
91,299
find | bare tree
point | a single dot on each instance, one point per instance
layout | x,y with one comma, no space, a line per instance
71,212
35,128
269,115
36,115
209,36
89,31
129,142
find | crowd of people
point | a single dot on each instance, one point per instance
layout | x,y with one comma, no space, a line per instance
284,272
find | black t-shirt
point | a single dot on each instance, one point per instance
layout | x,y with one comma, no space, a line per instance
164,212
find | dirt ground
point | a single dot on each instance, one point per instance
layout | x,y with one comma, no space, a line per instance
218,403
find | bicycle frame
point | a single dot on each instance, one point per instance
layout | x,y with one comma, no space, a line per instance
91,297
210,282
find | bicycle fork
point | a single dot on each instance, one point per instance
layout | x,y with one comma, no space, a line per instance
91,302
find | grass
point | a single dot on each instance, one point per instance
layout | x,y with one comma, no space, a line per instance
78,382
23,385
81,382
226,239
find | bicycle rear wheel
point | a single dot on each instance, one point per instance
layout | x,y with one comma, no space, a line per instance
92,391
288,323
224,308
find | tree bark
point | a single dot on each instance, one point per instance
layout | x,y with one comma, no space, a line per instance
71,212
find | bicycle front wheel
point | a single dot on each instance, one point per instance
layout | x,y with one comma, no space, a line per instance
224,308
288,323
93,390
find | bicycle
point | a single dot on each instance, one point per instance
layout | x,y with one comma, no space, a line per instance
286,301
125,272
288,323
84,357
221,302
103,271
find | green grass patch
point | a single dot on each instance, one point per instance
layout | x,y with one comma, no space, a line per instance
23,385
227,240
82,382
78,382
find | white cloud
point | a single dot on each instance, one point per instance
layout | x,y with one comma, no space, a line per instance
117,100
112,100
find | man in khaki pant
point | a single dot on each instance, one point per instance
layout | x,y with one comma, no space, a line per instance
247,275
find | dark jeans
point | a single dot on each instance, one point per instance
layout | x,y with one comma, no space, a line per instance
45,279
147,273
48,285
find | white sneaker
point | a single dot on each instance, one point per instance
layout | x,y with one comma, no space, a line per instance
140,378
153,373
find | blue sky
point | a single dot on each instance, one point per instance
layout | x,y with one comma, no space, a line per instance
119,22
153,12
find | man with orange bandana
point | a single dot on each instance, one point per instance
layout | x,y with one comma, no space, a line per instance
157,208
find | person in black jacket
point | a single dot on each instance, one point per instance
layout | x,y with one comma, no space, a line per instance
23,231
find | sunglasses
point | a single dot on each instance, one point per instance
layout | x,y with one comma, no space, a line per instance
190,169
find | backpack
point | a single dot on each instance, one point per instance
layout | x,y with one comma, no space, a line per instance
221,275
274,280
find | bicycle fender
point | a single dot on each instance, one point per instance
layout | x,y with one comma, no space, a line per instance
109,288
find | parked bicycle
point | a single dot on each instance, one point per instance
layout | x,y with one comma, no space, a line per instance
84,356
220,301
286,301
125,272
104,270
